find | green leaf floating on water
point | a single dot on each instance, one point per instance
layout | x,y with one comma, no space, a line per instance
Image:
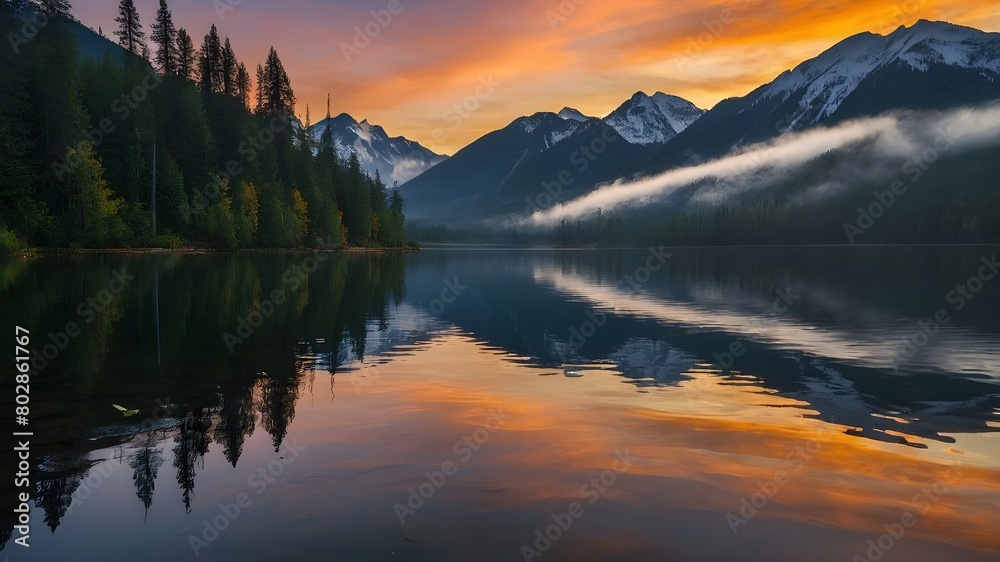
125,411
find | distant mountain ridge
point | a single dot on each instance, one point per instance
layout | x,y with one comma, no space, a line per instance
927,66
396,159
497,172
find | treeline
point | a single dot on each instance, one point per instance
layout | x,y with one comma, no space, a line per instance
81,136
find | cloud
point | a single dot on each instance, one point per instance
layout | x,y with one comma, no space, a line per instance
432,53
407,169
888,138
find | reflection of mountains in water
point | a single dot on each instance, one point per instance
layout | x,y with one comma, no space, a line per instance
829,349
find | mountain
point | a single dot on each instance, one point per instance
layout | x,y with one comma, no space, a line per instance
472,177
930,65
94,46
496,173
396,159
655,119
927,66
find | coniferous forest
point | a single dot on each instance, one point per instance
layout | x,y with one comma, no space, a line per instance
85,139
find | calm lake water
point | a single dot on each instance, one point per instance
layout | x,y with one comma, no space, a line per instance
477,403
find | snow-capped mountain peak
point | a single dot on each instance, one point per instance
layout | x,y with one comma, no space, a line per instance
652,119
549,128
825,81
396,159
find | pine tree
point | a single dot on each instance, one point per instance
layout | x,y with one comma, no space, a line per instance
59,9
165,36
228,66
130,34
277,89
243,84
259,105
210,63
185,55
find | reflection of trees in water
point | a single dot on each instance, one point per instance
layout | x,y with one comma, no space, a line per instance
278,394
145,465
54,493
238,418
191,444
223,393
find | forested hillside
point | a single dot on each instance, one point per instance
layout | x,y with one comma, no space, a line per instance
81,135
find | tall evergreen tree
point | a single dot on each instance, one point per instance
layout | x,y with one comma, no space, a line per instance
165,36
210,63
130,34
185,55
258,107
55,8
243,84
278,96
229,66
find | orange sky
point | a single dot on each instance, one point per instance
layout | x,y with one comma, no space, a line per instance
433,54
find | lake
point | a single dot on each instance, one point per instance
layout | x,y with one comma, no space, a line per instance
480,403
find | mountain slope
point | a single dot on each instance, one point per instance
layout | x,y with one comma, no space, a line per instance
396,159
930,65
471,179
496,173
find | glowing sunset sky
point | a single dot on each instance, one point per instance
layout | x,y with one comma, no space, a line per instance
433,54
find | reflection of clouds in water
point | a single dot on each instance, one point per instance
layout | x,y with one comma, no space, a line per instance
957,350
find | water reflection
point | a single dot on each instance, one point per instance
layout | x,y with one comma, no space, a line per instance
189,388
585,365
